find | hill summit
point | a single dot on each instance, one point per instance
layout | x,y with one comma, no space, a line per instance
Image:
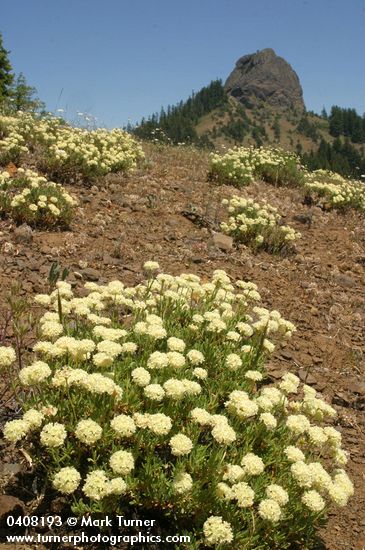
265,77
261,104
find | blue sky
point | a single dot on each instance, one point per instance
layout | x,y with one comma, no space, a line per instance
122,59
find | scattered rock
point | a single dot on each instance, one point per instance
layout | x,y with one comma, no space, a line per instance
173,223
90,274
109,260
341,399
305,219
306,377
197,219
9,468
355,386
23,234
336,310
45,249
10,506
8,247
33,266
320,385
197,260
344,280
276,374
224,242
33,278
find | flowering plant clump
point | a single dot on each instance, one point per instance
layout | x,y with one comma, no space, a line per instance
241,165
335,190
64,152
7,357
178,420
258,225
28,197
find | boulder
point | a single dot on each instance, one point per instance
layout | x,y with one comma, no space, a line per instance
23,234
265,77
224,242
10,505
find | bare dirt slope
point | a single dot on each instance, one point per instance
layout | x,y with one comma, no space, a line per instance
167,211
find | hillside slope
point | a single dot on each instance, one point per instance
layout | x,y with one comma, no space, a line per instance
232,124
125,220
261,103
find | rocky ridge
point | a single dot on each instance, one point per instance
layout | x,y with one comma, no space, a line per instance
265,77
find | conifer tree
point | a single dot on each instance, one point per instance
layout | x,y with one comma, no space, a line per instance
23,96
6,74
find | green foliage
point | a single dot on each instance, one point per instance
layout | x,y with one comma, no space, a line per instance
6,74
257,225
178,122
340,157
235,129
155,396
56,273
29,198
65,153
259,134
276,128
23,97
308,128
346,122
333,191
240,166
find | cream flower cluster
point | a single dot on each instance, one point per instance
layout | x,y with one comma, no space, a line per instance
67,150
98,485
257,224
29,197
7,356
241,165
217,531
182,483
144,405
335,191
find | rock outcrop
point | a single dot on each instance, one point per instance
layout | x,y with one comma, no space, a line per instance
265,77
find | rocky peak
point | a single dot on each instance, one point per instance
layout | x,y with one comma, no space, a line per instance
264,76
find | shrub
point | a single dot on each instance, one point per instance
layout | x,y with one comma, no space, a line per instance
240,166
29,198
279,167
12,142
337,191
257,225
154,395
64,152
236,167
